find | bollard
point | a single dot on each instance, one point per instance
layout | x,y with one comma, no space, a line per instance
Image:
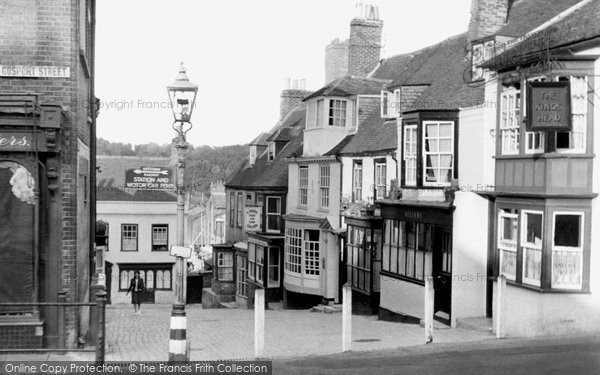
347,318
501,290
101,306
429,300
62,298
259,322
178,340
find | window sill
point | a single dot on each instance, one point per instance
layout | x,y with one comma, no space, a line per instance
324,210
534,288
547,155
129,251
403,278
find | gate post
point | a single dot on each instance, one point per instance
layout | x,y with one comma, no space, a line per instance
347,318
259,322
429,300
62,298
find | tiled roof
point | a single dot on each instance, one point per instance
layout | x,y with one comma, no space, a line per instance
110,182
373,135
348,85
338,147
273,174
260,140
391,66
526,15
580,25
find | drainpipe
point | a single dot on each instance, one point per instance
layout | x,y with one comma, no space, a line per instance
92,105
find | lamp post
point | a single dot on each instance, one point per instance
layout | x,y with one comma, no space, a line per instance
182,94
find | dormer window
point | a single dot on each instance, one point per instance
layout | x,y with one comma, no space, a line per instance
252,156
337,113
271,153
390,103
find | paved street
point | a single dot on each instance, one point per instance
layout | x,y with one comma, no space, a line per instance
228,333
551,355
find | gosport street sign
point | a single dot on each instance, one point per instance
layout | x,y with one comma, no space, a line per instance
150,178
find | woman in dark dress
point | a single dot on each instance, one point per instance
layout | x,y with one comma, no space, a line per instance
136,287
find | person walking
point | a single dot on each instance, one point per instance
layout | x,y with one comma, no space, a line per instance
136,287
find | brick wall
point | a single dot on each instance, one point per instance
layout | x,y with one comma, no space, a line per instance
336,60
487,17
48,33
290,99
364,46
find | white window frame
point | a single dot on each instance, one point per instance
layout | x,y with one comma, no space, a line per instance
578,249
357,180
251,261
223,264
274,213
160,236
260,263
303,185
242,275
325,184
507,245
529,246
578,110
272,265
510,121
410,155
293,250
337,116
530,137
437,153
311,255
380,179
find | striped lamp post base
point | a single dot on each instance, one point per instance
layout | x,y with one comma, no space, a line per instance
177,342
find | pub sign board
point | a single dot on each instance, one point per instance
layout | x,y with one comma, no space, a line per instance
548,106
150,178
252,218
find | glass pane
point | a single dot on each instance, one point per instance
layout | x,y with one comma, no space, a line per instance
394,260
273,205
431,145
567,230
402,261
533,265
445,145
566,268
446,130
431,130
534,228
386,258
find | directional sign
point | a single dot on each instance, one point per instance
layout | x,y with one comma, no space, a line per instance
150,178
181,251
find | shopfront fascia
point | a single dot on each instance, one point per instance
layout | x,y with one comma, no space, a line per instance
417,243
30,226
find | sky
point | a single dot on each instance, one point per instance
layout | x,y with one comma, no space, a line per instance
239,53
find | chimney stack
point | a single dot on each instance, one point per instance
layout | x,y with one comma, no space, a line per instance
336,60
487,17
364,50
292,95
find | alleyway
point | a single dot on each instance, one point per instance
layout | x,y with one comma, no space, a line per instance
228,333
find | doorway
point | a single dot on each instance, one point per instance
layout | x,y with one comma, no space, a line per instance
442,274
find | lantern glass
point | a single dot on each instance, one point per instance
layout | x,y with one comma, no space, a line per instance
182,94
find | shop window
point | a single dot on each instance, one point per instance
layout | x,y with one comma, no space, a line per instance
357,181
224,266
358,257
303,186
337,113
508,224
260,264
241,288
293,250
129,237
408,249
160,237
311,252
567,250
510,105
273,214
380,179
324,182
531,243
155,278
273,271
438,152
410,155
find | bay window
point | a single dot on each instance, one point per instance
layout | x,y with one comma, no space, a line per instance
337,113
438,151
408,249
273,265
225,266
358,257
410,155
303,185
567,250
302,255
241,282
574,140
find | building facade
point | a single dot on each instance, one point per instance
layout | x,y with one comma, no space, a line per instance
47,165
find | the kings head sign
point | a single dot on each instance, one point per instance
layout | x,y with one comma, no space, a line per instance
150,178
548,106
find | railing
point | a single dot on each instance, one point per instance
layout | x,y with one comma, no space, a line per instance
62,305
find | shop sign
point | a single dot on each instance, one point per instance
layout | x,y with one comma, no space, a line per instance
548,106
180,251
252,218
150,178
31,71
15,142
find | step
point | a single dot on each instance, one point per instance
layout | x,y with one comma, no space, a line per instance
228,305
478,323
436,324
327,309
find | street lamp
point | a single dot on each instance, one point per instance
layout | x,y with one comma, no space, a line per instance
182,94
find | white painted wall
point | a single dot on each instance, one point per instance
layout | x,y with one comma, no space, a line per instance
595,237
476,147
469,256
368,180
402,297
144,214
